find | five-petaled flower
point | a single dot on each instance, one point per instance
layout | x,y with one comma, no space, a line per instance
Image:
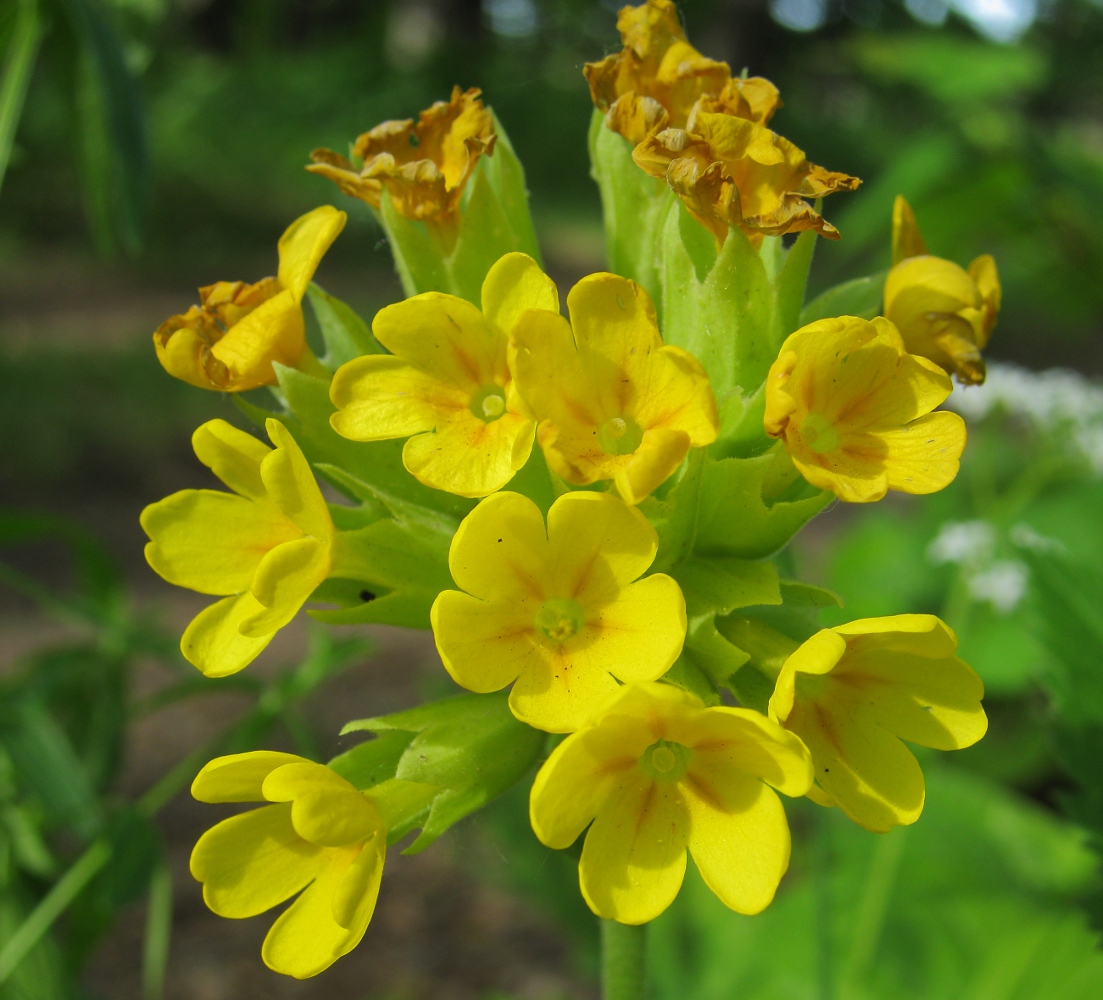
854,692
613,402
266,546
854,410
447,386
561,611
657,772
730,171
230,341
423,166
943,312
320,837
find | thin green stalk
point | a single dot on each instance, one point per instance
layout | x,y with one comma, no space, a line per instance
623,961
874,906
823,859
52,905
18,67
158,934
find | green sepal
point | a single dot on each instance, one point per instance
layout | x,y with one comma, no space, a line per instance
861,297
344,332
634,206
470,747
797,613
719,584
507,179
418,259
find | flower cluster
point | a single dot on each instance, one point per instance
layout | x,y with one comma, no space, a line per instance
616,588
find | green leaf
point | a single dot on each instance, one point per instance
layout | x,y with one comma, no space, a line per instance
720,308
371,763
860,297
113,135
344,333
19,66
710,652
507,178
484,236
797,611
792,282
719,584
418,260
634,206
470,746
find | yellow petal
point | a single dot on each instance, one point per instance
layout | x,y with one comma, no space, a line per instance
924,635
212,542
638,636
271,332
232,455
380,397
597,544
500,550
326,809
658,456
559,693
306,939
445,337
731,742
238,777
213,641
291,484
907,241
679,397
468,456
514,285
304,244
356,894
182,351
870,774
285,578
739,840
579,775
816,655
634,857
483,646
613,319
252,862
924,456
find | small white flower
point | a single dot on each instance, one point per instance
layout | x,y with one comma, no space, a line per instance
963,543
1002,584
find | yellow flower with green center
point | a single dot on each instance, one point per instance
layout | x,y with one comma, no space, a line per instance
854,410
562,611
230,341
943,312
656,772
263,548
854,692
320,839
447,384
613,402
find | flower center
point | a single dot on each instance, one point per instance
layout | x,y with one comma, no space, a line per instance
619,436
489,403
559,618
819,433
666,760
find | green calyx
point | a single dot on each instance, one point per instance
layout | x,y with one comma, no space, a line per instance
665,760
619,436
559,619
489,403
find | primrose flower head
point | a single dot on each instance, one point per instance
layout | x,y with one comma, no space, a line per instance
655,771
263,548
424,166
320,837
853,692
731,171
657,77
854,411
230,341
943,312
447,385
560,610
612,401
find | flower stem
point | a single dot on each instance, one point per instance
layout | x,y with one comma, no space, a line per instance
623,961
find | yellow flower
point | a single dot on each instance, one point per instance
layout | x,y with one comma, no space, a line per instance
612,401
424,165
657,772
943,312
657,77
854,410
230,341
731,171
557,611
447,385
266,546
852,693
321,837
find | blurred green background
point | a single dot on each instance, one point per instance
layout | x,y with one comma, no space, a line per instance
161,146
